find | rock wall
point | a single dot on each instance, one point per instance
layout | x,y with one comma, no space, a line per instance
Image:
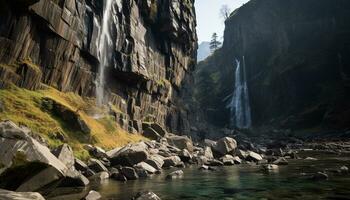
297,62
153,52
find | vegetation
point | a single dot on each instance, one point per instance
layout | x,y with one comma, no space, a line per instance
214,43
29,108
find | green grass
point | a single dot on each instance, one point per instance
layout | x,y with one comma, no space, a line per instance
25,107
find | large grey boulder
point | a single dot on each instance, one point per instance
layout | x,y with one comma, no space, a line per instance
10,195
151,134
96,151
181,142
25,164
65,154
172,161
252,156
156,161
225,146
227,160
130,155
129,173
97,166
148,168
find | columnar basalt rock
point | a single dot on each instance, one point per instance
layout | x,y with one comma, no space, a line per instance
154,47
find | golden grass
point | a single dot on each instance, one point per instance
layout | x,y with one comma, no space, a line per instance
24,107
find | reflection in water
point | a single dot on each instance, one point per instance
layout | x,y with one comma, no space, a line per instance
240,182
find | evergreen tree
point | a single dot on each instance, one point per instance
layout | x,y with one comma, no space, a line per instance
214,43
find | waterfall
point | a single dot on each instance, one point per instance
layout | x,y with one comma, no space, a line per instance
104,42
239,104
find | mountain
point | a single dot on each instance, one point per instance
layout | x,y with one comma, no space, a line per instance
203,51
49,45
297,63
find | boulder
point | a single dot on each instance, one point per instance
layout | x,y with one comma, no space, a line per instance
209,143
237,160
270,167
8,195
208,153
25,164
152,134
80,165
254,157
280,161
156,161
319,176
93,195
118,176
227,160
129,173
181,142
130,155
172,161
95,151
242,154
225,146
146,196
344,169
101,176
148,168
74,179
176,174
185,155
97,166
65,154
204,167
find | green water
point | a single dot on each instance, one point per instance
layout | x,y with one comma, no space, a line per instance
242,182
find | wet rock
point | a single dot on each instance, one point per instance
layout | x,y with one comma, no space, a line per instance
185,155
225,146
172,161
148,168
252,156
319,176
96,165
176,174
146,196
65,154
9,195
214,162
281,161
181,142
227,160
344,169
204,167
101,176
156,161
270,167
130,155
93,195
311,159
129,173
26,165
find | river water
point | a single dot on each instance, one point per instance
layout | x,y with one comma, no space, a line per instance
241,182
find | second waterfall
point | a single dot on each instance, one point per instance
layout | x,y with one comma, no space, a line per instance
103,47
239,104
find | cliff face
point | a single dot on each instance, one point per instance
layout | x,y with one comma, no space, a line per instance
152,53
297,62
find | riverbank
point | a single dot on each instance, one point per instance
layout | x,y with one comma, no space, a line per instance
54,173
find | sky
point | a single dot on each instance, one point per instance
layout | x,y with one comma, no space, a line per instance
208,17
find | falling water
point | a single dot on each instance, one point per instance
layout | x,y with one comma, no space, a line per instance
239,104
103,45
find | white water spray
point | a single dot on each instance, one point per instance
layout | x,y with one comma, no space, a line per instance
103,45
239,104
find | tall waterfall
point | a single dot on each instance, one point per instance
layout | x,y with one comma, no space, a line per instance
103,45
239,104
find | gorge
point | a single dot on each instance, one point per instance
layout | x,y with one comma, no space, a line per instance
106,100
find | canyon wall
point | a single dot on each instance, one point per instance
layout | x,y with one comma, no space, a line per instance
152,54
297,61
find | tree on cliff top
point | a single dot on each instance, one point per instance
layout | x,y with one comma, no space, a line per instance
225,11
214,43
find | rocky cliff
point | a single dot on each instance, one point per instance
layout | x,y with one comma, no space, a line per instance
297,63
152,53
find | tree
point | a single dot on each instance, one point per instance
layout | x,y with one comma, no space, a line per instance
214,43
225,11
